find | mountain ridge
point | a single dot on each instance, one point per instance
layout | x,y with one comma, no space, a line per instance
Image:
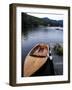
29,21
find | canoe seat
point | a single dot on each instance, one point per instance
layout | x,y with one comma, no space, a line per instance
40,51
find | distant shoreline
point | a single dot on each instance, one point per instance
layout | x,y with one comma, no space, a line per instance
57,28
53,28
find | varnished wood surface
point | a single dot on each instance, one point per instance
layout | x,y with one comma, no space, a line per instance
33,63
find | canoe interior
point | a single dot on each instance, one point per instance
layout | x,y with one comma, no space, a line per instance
40,50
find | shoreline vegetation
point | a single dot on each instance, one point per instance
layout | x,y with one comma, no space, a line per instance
29,21
58,49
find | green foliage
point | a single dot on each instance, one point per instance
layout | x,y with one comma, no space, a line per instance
58,49
29,21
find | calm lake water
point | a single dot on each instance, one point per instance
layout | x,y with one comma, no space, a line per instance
33,36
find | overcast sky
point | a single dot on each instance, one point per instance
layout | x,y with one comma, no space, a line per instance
49,15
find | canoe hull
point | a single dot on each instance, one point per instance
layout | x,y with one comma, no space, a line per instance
33,63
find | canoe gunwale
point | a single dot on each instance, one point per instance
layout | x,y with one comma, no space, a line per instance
35,47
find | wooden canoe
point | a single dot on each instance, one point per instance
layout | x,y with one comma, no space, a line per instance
35,59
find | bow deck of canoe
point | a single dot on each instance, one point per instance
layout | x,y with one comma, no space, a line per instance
35,59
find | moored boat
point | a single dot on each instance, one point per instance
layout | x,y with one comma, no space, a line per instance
35,59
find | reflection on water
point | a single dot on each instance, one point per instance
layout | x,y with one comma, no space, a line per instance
33,36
